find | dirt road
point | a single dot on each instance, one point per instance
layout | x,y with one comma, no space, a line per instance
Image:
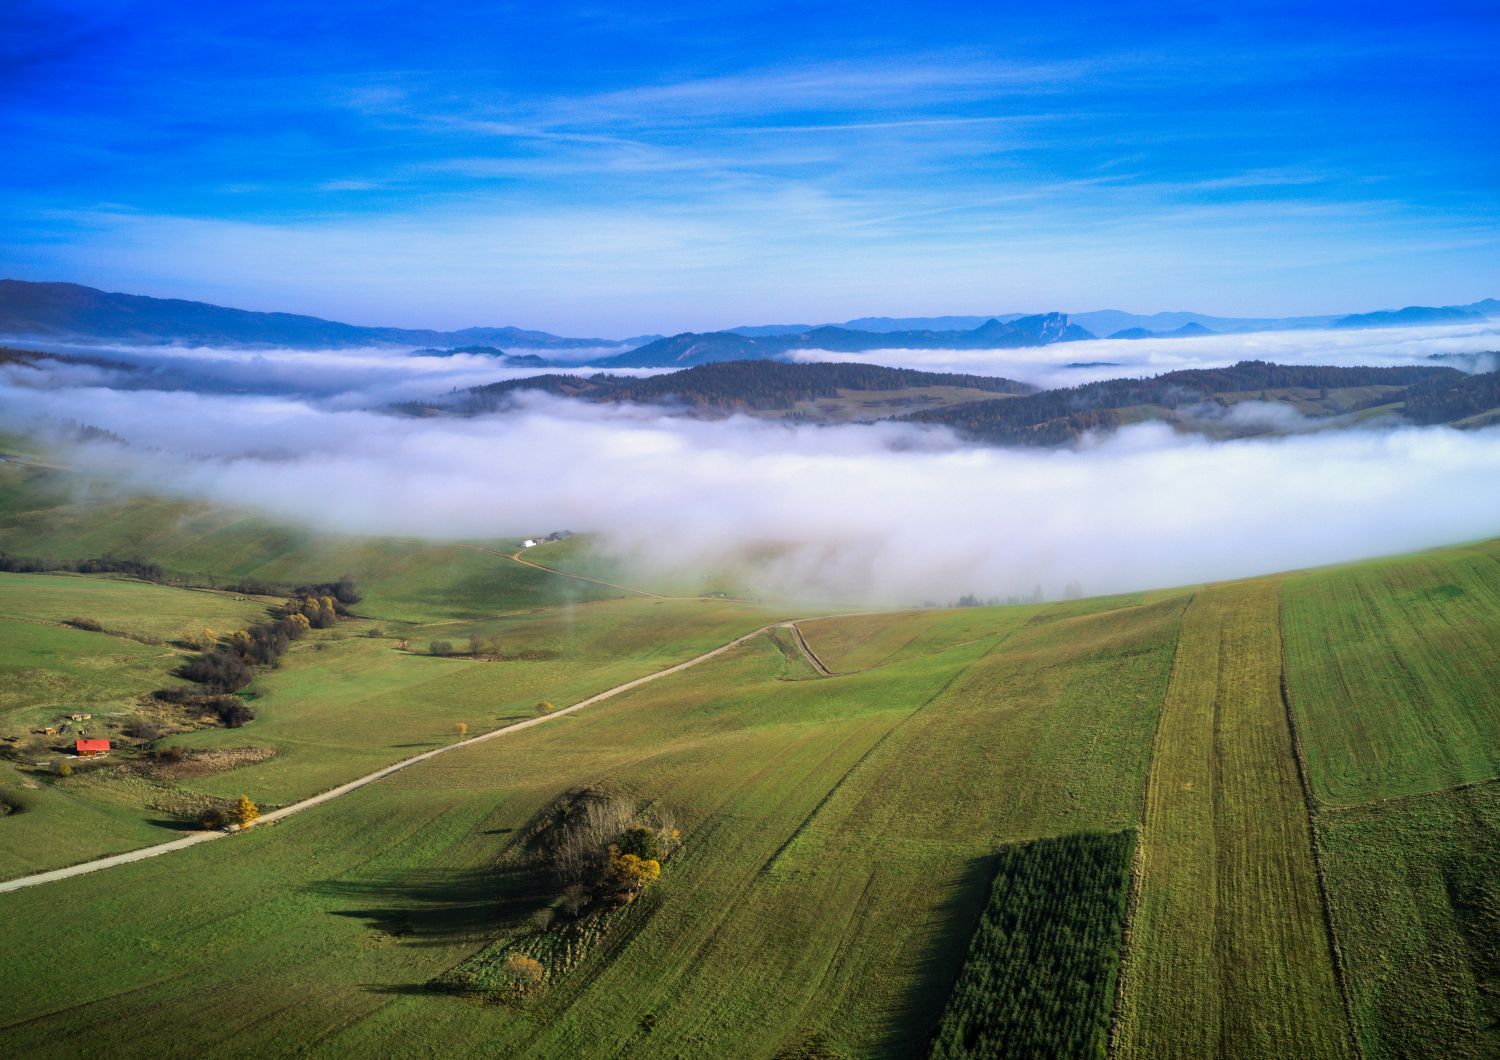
369,778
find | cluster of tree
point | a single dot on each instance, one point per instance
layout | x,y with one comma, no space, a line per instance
320,612
1448,399
602,850
1039,977
345,592
229,665
728,386
1058,417
242,812
136,568
230,710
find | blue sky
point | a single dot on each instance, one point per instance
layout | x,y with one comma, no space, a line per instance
589,169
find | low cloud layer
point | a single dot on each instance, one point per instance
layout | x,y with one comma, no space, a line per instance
884,513
1469,347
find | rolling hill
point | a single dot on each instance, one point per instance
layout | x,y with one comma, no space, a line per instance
1256,818
1248,398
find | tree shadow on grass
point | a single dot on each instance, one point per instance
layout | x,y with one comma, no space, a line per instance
436,906
938,966
176,824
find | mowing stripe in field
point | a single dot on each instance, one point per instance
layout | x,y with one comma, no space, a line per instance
1229,953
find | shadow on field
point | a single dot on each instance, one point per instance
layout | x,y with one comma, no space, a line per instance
175,824
938,967
434,907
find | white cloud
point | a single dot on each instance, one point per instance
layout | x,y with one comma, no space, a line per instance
886,513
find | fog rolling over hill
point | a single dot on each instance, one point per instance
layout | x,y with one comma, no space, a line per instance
828,482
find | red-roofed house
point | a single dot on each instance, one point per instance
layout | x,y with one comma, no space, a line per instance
84,748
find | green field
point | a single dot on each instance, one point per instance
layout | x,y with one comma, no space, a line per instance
840,834
822,795
1393,665
1426,970
1227,951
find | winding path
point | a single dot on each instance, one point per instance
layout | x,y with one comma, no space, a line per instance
806,649
516,556
343,789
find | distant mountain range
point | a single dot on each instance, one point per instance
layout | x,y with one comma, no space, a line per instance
1110,322
67,312
1416,315
692,348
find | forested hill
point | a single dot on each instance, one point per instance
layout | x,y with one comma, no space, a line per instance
1057,417
73,312
1216,402
729,386
692,348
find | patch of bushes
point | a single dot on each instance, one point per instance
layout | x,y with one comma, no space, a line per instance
241,812
598,852
230,710
91,625
144,729
601,849
13,802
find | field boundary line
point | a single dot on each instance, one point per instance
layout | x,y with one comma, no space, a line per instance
1133,896
1310,803
271,817
1389,800
900,723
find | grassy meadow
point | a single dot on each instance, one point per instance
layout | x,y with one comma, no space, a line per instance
1228,953
1252,819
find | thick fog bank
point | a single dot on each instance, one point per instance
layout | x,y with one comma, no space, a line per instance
885,513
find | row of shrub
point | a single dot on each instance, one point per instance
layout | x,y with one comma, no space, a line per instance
230,664
342,593
1039,978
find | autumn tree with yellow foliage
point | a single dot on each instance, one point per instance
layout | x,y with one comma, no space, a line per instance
246,812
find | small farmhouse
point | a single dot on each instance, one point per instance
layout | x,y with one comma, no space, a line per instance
86,748
529,543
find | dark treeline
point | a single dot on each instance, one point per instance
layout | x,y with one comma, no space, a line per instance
343,592
1039,977
136,568
1446,399
1056,417
727,386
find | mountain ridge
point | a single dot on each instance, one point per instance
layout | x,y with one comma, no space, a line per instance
64,311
